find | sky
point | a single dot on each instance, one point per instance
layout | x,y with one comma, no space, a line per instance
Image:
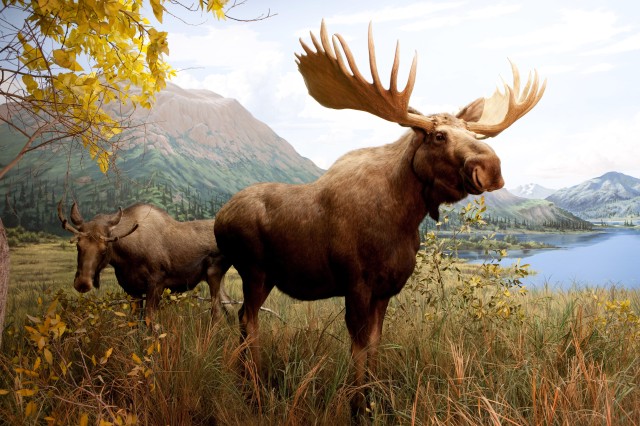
587,123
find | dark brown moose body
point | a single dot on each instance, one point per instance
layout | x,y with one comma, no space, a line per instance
354,231
149,252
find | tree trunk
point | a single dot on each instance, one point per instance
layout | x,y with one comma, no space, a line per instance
4,276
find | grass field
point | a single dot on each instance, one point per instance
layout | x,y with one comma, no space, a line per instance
461,346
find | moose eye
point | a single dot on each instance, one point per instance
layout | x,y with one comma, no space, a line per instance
440,137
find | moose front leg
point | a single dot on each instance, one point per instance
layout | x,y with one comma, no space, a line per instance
360,326
215,275
364,317
378,311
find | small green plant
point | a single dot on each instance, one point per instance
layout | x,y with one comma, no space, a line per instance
486,292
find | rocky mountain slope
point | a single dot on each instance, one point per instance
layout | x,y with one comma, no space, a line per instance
612,195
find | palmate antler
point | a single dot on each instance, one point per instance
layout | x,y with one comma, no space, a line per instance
501,110
334,85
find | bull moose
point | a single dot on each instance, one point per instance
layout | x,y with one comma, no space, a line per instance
149,251
353,232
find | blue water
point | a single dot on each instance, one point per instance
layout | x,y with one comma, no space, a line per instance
607,257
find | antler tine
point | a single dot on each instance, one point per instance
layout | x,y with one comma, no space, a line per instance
501,110
65,224
338,84
373,65
115,238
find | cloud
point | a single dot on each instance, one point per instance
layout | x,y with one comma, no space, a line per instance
395,13
629,44
460,17
240,64
561,158
576,30
224,49
602,67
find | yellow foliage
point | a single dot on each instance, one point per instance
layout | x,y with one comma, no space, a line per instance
114,41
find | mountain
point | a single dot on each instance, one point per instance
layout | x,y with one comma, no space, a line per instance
504,207
610,195
188,155
532,190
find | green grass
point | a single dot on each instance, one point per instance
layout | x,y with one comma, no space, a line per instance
557,357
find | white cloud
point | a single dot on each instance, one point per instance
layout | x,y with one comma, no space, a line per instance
629,44
567,159
394,13
231,48
602,67
577,30
461,17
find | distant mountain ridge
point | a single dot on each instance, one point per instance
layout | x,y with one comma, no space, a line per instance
196,149
535,213
532,190
612,195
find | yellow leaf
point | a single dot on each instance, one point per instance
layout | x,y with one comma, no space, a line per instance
93,150
84,419
120,314
30,409
30,83
60,57
158,9
36,364
52,307
103,161
136,358
3,392
26,392
106,356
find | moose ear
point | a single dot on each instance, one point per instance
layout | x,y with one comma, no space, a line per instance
472,112
420,134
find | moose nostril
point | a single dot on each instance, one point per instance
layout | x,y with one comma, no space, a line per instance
82,287
476,178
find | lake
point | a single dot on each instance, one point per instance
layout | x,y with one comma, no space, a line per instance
609,256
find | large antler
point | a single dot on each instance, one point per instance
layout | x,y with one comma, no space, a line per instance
501,110
334,85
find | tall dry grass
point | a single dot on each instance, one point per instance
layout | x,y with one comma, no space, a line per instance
453,353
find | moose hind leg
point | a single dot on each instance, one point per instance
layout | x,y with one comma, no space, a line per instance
255,291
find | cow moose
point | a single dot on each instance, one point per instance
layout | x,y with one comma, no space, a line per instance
353,232
149,251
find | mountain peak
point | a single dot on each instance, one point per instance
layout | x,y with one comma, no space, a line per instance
612,194
532,190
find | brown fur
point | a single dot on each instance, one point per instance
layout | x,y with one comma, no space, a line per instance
161,253
354,231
